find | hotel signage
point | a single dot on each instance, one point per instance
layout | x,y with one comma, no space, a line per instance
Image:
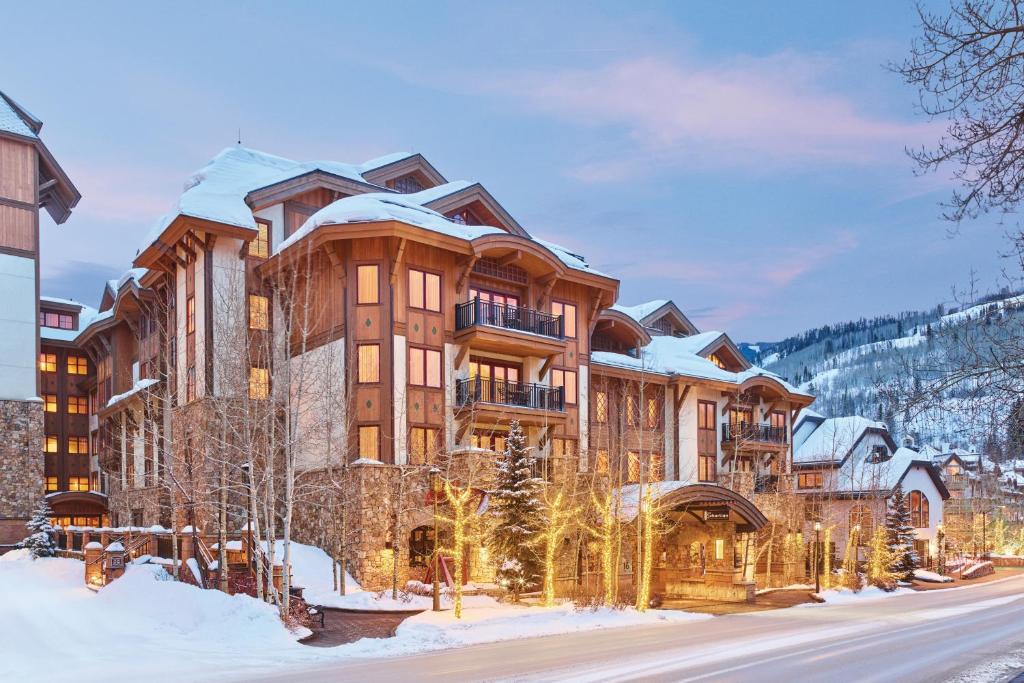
717,514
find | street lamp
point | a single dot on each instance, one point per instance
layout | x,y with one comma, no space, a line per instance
435,490
817,557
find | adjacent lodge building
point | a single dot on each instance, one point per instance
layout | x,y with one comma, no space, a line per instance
402,320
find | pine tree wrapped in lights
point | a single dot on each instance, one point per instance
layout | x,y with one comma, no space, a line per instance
900,535
516,505
880,571
40,541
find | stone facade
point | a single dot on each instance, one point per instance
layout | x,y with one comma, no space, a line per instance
21,466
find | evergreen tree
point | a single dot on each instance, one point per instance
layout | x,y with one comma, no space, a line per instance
40,541
518,510
900,535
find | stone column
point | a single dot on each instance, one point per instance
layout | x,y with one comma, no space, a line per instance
113,561
93,565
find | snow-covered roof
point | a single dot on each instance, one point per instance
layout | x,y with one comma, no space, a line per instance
141,385
629,496
675,356
133,274
641,311
11,121
860,475
217,191
833,439
86,315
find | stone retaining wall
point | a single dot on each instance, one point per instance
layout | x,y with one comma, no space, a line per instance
21,466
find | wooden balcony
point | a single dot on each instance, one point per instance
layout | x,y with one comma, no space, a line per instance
752,437
508,329
494,400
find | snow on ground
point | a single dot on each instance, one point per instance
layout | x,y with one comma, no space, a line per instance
144,626
842,596
931,577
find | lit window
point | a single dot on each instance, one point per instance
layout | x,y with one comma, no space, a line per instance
51,483
631,411
369,442
77,405
423,444
424,367
860,515
50,444
809,480
190,315
78,483
919,512
567,380
369,363
260,245
716,360
562,448
568,313
719,548
50,403
48,362
78,445
259,317
601,407
632,467
652,413
259,383
367,284
78,365
424,290
601,466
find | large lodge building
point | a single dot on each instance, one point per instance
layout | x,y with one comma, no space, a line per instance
403,321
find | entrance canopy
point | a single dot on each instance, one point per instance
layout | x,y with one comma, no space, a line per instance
702,503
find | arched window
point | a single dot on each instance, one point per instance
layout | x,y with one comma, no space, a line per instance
918,510
860,515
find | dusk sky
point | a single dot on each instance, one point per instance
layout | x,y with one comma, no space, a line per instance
746,162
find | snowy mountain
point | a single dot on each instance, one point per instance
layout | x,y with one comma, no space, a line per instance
847,365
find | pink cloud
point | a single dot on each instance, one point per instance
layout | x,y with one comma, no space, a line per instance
747,111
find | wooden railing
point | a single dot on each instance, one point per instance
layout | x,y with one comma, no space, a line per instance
503,392
479,312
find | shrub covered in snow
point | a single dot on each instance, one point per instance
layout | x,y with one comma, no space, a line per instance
40,540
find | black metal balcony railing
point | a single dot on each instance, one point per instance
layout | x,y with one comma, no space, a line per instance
477,312
503,392
746,431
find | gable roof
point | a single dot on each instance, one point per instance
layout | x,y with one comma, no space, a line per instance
450,196
858,475
834,438
15,119
649,312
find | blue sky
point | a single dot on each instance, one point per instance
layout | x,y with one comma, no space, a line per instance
745,161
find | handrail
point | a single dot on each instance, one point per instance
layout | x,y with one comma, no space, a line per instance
747,431
503,392
479,312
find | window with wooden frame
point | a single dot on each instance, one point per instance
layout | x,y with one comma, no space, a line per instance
491,442
78,405
489,296
738,416
59,321
601,407
424,290
259,312
567,380
368,356
860,515
563,448
568,313
368,284
424,367
78,483
259,383
652,413
631,411
632,467
777,419
48,362
78,445
51,484
78,365
50,444
707,467
809,480
424,443
260,245
717,361
190,315
601,462
919,513
369,442
707,441
50,403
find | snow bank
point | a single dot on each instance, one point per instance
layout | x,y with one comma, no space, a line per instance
931,577
842,596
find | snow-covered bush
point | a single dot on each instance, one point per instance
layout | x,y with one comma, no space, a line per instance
40,541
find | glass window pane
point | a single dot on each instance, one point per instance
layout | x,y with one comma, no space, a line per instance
367,285
369,363
433,292
415,288
433,368
416,371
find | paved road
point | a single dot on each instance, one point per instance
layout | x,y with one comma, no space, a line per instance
970,634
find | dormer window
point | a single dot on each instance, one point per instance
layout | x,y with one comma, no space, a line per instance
58,321
459,218
879,453
407,184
